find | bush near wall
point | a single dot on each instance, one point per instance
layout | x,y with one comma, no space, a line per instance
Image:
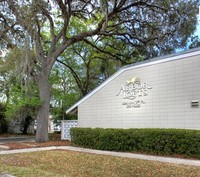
153,141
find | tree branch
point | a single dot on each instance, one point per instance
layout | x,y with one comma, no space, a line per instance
75,75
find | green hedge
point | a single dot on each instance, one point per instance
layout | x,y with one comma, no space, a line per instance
154,141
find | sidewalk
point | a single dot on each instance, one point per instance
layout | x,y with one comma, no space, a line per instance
118,154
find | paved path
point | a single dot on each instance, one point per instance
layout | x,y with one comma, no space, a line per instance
118,154
16,139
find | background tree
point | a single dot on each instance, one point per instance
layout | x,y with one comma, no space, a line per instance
87,67
23,105
20,94
156,26
64,92
3,122
194,42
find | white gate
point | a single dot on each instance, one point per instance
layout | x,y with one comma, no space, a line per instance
66,125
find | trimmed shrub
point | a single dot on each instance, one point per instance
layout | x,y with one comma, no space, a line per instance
154,141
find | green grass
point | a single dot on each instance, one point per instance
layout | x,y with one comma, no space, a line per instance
74,164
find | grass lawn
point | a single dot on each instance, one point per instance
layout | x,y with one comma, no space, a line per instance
73,164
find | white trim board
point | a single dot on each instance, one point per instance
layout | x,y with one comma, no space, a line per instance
158,60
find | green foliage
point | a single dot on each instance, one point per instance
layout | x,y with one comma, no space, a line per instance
194,42
63,94
88,67
20,93
22,103
153,141
22,107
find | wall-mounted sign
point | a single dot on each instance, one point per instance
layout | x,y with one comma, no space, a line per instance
134,90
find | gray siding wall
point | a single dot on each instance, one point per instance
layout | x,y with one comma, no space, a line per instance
168,104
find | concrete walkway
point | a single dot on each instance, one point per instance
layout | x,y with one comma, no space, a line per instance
118,154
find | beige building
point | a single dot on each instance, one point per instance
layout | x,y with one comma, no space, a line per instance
159,93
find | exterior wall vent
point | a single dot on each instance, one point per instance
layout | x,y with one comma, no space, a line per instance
195,103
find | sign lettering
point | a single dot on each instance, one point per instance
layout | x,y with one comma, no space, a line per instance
134,90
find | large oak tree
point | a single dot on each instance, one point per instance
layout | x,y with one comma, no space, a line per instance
151,26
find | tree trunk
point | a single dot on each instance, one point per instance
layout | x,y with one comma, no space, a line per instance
43,112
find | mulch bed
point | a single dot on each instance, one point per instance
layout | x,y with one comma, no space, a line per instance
26,145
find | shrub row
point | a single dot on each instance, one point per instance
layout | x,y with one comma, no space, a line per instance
154,141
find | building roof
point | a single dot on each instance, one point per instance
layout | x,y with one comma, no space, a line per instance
157,60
